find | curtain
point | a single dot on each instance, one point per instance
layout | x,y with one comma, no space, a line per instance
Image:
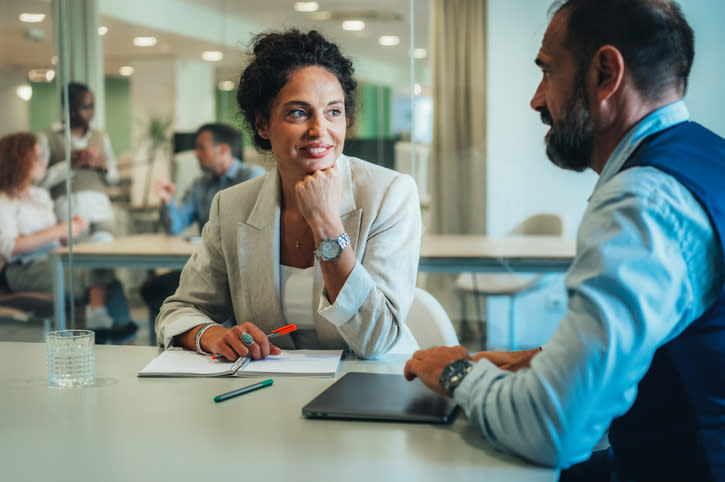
458,150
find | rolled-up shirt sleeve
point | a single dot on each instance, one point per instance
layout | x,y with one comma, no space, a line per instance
643,272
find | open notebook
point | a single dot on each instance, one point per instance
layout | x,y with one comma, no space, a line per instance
185,363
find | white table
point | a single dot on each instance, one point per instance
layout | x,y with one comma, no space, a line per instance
439,253
136,429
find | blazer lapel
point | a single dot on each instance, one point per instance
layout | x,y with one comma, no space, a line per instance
259,241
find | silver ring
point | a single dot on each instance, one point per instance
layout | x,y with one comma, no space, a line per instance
247,339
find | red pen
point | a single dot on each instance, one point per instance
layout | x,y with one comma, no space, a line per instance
275,333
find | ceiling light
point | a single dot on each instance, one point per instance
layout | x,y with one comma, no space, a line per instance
25,92
226,85
212,55
420,53
322,15
32,17
41,75
144,41
102,30
389,40
353,25
126,70
307,6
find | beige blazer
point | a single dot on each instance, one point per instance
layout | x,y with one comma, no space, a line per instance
235,272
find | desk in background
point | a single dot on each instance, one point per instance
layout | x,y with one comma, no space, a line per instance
129,428
439,253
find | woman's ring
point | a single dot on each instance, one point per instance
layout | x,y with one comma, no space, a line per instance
247,339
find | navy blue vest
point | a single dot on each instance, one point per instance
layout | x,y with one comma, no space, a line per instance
676,428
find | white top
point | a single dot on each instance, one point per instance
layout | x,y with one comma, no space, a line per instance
24,215
296,286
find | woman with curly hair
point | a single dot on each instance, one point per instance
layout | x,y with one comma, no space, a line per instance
325,241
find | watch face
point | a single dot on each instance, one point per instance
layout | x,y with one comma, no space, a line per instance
330,248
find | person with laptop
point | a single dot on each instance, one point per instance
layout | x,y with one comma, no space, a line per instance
641,350
218,150
324,241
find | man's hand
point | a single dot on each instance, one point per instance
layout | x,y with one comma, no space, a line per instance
164,190
508,360
428,365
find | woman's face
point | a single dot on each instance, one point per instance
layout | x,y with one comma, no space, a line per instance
40,164
307,123
82,111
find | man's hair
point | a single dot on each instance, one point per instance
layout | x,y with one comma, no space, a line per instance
15,161
657,43
224,134
75,90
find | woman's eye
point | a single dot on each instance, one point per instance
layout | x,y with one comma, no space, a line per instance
296,113
335,112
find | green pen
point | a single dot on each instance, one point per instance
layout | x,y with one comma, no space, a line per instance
243,390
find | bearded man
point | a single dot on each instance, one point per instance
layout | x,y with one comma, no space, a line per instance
641,350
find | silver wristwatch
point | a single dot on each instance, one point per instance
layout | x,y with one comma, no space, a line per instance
454,373
331,248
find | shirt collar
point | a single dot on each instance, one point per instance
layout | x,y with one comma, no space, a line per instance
657,121
231,173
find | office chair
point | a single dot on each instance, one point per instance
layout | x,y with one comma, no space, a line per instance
429,322
510,285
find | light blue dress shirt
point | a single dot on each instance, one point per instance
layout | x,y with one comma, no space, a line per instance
196,202
646,267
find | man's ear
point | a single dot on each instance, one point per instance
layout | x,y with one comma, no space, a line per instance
261,125
224,148
608,64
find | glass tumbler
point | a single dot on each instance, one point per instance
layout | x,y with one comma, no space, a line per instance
71,358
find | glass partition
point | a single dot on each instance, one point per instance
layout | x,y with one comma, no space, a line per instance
163,69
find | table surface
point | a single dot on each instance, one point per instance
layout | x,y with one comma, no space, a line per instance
128,428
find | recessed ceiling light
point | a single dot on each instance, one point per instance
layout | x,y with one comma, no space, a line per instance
32,17
126,71
389,40
41,75
102,30
226,85
144,41
212,55
25,92
307,6
322,15
420,53
353,25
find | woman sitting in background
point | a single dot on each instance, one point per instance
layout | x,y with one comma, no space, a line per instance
29,229
325,241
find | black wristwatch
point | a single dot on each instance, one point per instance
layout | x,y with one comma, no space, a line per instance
454,373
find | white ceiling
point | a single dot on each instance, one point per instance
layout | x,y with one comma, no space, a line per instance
383,17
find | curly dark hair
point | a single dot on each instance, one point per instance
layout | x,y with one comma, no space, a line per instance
274,56
653,36
16,152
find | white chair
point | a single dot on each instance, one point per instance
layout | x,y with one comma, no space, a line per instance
429,322
510,284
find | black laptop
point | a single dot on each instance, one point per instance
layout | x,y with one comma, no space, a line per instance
383,397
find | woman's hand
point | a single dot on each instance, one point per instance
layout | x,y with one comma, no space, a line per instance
228,342
318,199
78,225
